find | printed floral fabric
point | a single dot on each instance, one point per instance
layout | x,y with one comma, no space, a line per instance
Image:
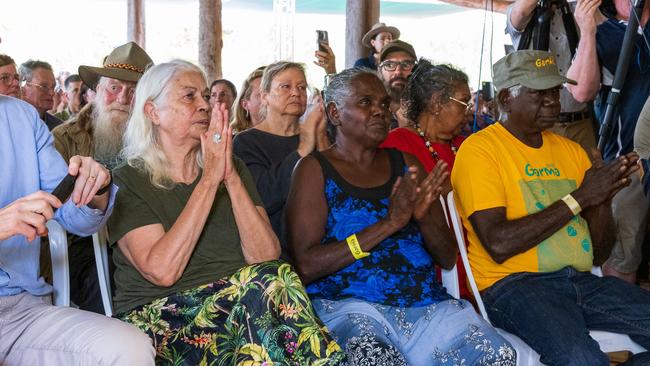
260,315
399,271
445,334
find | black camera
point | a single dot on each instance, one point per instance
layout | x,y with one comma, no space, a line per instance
487,91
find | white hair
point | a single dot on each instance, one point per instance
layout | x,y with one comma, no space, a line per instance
141,146
514,92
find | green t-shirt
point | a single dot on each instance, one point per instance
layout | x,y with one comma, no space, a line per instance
217,254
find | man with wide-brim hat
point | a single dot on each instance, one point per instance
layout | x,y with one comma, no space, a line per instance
126,63
537,210
379,35
96,131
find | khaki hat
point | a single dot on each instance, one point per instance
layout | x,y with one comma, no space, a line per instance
127,63
375,30
394,46
532,69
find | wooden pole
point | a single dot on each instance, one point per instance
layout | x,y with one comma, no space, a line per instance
210,42
360,15
136,25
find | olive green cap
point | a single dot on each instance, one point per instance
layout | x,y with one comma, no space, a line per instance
530,68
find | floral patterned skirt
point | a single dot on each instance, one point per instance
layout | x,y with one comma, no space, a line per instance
260,315
448,333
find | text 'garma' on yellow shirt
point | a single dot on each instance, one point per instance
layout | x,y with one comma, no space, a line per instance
494,169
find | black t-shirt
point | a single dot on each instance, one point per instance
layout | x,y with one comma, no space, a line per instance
271,160
138,203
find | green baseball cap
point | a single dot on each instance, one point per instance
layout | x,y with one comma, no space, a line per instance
530,68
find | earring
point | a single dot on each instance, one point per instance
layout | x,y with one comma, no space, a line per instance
248,115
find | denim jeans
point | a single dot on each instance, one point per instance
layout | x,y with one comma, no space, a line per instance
553,313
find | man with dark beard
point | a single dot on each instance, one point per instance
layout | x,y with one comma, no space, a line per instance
396,62
96,131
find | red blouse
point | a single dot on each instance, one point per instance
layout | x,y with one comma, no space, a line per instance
408,141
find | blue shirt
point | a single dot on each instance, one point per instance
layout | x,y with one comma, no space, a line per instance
368,62
29,163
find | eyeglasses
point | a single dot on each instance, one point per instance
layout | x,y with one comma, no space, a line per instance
7,79
43,88
392,65
468,105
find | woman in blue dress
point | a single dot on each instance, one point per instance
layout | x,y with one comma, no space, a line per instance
366,230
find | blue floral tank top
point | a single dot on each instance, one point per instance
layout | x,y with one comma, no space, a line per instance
399,271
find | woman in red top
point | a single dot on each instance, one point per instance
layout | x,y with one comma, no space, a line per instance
437,100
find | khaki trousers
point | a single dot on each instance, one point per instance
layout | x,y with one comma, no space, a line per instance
33,332
581,132
630,210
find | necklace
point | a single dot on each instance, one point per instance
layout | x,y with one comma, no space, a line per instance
427,143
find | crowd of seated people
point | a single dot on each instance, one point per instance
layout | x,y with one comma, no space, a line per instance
267,227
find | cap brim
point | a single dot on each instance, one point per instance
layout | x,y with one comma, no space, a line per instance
547,82
391,49
542,83
90,75
370,35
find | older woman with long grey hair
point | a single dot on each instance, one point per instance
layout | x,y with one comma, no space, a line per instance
196,254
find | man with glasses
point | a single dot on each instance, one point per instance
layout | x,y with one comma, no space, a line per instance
37,88
9,79
396,62
96,131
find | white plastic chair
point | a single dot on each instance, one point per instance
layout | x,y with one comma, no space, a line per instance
450,279
61,266
60,269
100,247
608,342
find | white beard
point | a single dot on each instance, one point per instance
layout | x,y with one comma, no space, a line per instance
108,129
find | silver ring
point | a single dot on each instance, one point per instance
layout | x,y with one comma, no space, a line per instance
216,138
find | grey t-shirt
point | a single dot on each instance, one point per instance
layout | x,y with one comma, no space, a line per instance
217,253
559,45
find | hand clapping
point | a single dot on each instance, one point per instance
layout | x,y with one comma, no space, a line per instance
410,199
216,146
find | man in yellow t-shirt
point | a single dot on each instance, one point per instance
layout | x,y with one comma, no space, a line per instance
538,215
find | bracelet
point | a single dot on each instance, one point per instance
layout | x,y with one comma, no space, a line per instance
574,206
106,187
355,248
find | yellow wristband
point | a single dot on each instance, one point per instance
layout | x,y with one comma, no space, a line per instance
355,248
574,206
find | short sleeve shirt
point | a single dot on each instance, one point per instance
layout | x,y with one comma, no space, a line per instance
217,253
494,169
